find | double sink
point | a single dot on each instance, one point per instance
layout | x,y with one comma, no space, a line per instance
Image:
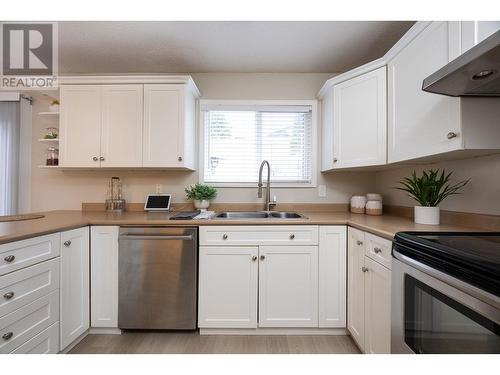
235,215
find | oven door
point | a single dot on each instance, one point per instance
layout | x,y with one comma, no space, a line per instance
435,313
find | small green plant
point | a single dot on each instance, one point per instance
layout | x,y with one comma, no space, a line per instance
201,192
431,188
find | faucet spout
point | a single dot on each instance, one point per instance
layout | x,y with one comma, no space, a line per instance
268,201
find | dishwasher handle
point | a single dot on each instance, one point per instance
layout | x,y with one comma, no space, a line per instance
153,237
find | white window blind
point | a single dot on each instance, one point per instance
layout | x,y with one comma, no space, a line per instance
238,138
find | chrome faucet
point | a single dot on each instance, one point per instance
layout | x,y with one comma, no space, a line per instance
269,204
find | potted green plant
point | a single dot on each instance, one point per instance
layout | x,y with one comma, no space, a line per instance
429,190
54,106
201,194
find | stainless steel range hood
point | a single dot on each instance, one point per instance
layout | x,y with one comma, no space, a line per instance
475,73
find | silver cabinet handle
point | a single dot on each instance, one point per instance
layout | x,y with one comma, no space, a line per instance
67,243
335,160
95,158
8,295
224,236
262,257
8,336
153,237
179,158
359,243
364,269
9,258
377,250
292,236
451,135
102,158
254,258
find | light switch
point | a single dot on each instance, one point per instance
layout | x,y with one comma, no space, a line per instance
322,191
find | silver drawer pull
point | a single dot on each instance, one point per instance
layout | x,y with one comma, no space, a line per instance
67,243
8,336
224,236
451,135
377,250
292,236
364,269
359,243
254,258
262,257
8,295
9,258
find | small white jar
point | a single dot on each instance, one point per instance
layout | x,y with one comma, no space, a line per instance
373,197
358,203
374,208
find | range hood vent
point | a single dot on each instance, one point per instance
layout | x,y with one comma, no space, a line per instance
475,73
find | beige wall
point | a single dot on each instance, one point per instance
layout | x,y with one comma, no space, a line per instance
55,189
481,195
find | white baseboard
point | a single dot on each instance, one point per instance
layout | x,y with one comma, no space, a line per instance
274,331
104,331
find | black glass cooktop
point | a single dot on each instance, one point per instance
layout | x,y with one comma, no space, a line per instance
472,257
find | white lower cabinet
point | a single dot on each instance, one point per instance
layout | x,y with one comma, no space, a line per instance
228,279
368,296
272,280
288,286
74,285
104,276
46,342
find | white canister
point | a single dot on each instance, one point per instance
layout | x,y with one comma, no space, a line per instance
374,208
358,203
427,215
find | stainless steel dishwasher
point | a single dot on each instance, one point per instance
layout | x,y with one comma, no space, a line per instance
157,278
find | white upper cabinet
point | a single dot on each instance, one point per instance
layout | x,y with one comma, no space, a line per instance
360,120
80,125
128,122
121,130
169,126
422,123
474,32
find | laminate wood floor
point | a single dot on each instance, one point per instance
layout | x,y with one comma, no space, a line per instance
193,343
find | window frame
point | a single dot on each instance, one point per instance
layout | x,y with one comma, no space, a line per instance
314,140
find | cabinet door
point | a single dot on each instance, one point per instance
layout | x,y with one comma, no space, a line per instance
356,286
104,276
474,32
360,120
288,286
227,287
121,132
419,122
327,131
74,285
80,126
377,308
163,125
332,276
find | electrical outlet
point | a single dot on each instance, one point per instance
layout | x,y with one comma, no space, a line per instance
322,191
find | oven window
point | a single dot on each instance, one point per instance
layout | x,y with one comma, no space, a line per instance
435,323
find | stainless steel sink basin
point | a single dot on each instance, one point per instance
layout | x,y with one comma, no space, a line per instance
258,215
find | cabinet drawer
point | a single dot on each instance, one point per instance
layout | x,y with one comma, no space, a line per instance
46,342
259,235
20,254
379,249
22,287
23,324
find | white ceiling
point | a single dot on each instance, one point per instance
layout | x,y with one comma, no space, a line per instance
188,47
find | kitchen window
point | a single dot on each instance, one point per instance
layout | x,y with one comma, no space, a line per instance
238,136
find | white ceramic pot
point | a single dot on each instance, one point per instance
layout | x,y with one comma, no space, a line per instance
427,215
201,205
54,107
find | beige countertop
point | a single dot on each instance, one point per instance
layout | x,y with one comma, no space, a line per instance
54,221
